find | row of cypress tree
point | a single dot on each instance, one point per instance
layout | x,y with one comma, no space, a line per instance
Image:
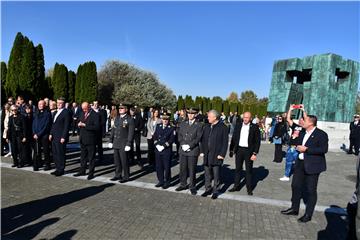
222,105
25,75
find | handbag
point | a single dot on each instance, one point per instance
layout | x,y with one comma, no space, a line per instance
277,140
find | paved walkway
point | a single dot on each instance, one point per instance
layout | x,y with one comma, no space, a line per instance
41,206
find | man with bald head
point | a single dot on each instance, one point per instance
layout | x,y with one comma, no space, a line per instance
41,129
89,125
245,143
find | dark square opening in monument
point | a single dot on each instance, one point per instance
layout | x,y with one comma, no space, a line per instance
341,75
301,76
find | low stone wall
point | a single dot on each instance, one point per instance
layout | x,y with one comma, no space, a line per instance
338,135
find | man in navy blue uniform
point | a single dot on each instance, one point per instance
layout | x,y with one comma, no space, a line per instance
309,165
164,137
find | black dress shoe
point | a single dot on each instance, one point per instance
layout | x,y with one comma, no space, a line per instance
180,188
47,168
79,174
290,211
234,189
159,185
123,181
114,179
14,165
36,169
250,193
214,196
206,193
305,218
166,186
54,172
91,176
193,191
58,174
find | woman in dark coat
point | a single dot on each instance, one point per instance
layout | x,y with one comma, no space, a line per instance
17,136
279,133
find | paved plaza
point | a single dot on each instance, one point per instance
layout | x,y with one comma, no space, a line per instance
37,205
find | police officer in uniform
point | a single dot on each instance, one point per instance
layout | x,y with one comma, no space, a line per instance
163,137
189,136
122,135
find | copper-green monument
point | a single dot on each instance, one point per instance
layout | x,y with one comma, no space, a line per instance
326,84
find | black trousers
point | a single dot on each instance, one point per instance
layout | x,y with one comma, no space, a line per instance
212,172
302,181
58,150
151,151
17,151
188,168
75,128
243,154
42,144
278,155
87,155
99,146
163,165
354,143
137,151
121,164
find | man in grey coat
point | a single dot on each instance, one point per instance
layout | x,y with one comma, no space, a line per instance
121,138
189,136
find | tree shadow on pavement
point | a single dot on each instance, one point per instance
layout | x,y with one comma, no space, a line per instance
16,216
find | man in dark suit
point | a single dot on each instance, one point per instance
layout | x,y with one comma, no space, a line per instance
308,167
355,135
75,110
59,136
189,136
101,132
214,145
40,129
245,143
89,124
139,125
122,135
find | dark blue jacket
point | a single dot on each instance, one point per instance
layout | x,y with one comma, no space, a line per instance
41,123
314,157
164,136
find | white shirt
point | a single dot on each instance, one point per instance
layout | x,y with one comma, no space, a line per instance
306,137
191,122
58,113
244,135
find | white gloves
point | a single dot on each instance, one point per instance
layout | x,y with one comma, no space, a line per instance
186,148
127,148
160,148
110,145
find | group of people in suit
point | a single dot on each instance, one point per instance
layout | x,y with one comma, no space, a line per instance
195,139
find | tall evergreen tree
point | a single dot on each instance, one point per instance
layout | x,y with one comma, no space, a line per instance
41,86
60,81
28,70
89,84
79,78
189,102
180,103
3,80
71,84
14,66
198,102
